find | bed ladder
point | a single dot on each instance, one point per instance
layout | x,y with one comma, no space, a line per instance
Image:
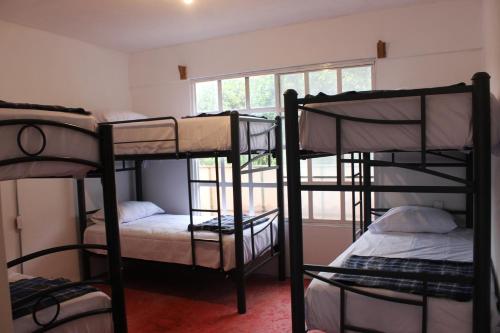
359,203
192,210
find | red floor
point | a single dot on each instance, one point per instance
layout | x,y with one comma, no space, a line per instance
187,302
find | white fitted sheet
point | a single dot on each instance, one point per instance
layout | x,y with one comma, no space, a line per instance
448,124
197,134
323,300
61,142
165,238
102,323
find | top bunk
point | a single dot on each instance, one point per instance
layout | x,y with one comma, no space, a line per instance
427,119
201,136
42,141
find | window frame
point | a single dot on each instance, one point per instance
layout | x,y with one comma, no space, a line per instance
279,110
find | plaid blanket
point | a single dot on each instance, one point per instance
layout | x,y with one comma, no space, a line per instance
456,291
26,287
227,224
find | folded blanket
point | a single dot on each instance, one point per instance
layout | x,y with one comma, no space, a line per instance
456,291
227,224
9,105
23,288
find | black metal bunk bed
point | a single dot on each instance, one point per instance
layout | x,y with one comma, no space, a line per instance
476,187
103,137
233,155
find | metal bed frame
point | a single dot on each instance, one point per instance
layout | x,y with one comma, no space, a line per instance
242,270
476,187
105,167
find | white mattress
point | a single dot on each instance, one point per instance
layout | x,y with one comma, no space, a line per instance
323,300
165,238
448,124
102,323
61,142
197,134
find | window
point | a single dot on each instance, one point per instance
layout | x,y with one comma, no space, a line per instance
262,94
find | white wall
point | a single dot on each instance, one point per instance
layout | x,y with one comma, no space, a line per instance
491,24
428,45
39,67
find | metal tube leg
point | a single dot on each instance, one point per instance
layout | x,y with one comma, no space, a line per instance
294,211
482,202
239,272
82,223
112,231
280,201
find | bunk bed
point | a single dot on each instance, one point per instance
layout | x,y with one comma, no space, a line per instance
452,123
39,141
173,239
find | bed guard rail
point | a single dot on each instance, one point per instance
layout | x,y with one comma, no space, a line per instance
146,120
425,278
46,294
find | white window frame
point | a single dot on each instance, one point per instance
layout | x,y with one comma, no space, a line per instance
278,109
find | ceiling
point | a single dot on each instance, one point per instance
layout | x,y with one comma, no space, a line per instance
135,25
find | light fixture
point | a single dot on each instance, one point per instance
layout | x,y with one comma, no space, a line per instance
188,2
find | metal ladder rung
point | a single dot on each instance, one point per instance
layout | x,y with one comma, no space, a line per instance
205,210
217,211
206,240
203,181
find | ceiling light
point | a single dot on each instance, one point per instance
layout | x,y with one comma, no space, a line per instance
188,2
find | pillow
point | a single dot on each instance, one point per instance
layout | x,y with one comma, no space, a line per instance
123,115
414,219
129,211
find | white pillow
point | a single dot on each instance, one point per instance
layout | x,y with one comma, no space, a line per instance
414,219
130,211
123,115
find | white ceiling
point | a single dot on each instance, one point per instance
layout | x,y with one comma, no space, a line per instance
134,25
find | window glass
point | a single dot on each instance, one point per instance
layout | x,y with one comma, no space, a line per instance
292,81
233,94
259,98
262,94
207,97
357,78
327,205
324,169
324,81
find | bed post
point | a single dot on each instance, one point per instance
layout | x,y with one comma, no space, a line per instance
294,210
281,207
138,180
238,213
482,201
469,197
82,225
367,194
112,231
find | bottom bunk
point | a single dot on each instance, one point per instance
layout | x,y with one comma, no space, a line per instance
323,300
88,299
166,238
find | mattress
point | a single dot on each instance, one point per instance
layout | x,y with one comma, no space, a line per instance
448,121
198,134
60,142
322,300
165,238
91,301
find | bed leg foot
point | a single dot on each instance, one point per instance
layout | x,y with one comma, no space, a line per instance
241,297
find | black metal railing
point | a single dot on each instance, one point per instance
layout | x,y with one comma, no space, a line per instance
238,123
476,187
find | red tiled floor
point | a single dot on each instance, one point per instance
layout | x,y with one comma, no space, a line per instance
189,302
